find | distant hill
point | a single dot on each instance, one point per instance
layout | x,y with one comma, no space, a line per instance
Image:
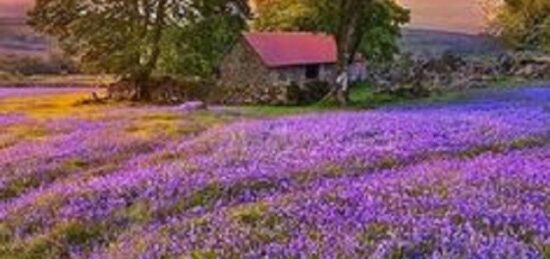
23,51
435,42
18,39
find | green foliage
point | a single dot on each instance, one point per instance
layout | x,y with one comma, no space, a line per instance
106,36
139,212
197,50
203,254
363,95
546,251
276,111
250,215
5,234
56,243
205,197
523,24
367,26
35,65
373,233
18,186
130,38
285,15
264,226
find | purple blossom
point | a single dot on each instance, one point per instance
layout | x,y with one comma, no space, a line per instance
467,179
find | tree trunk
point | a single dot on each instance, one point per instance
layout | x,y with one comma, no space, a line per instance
345,41
142,80
356,43
143,92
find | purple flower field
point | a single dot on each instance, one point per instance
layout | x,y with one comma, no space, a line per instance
463,179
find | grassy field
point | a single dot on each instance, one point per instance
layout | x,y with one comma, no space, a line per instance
457,177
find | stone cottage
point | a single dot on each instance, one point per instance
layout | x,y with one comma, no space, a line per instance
263,66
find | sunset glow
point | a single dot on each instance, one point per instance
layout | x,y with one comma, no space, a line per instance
14,8
460,16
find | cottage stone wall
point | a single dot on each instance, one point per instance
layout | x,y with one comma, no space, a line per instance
297,74
243,67
327,73
246,80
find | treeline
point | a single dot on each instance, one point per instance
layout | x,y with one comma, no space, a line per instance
521,24
142,39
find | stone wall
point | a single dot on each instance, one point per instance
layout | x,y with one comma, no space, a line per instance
243,67
455,72
163,90
297,74
244,79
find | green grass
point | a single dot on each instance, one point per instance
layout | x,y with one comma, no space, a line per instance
275,111
362,96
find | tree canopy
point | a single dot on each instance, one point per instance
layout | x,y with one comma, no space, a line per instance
198,49
130,38
523,24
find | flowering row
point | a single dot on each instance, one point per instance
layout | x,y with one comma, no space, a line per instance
490,206
336,184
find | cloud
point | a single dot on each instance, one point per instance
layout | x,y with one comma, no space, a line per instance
14,8
452,15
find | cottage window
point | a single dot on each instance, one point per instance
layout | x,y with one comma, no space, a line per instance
312,72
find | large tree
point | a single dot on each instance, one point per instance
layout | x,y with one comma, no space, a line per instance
522,24
199,49
371,27
125,37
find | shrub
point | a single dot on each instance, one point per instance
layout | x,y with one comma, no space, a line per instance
164,90
29,65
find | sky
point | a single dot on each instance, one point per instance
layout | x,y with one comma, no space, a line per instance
14,8
451,15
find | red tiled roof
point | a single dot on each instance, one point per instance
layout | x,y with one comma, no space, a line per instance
278,49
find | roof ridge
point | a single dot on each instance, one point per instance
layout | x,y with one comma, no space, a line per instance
286,32
292,48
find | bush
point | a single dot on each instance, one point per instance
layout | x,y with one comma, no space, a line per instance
37,65
164,90
311,92
8,77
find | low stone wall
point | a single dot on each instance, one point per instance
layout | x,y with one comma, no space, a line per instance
453,72
272,95
164,90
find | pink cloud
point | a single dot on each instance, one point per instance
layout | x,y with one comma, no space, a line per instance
454,15
15,8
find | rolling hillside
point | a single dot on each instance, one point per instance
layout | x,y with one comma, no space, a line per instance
430,42
17,39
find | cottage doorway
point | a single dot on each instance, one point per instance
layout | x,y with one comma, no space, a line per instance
312,71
